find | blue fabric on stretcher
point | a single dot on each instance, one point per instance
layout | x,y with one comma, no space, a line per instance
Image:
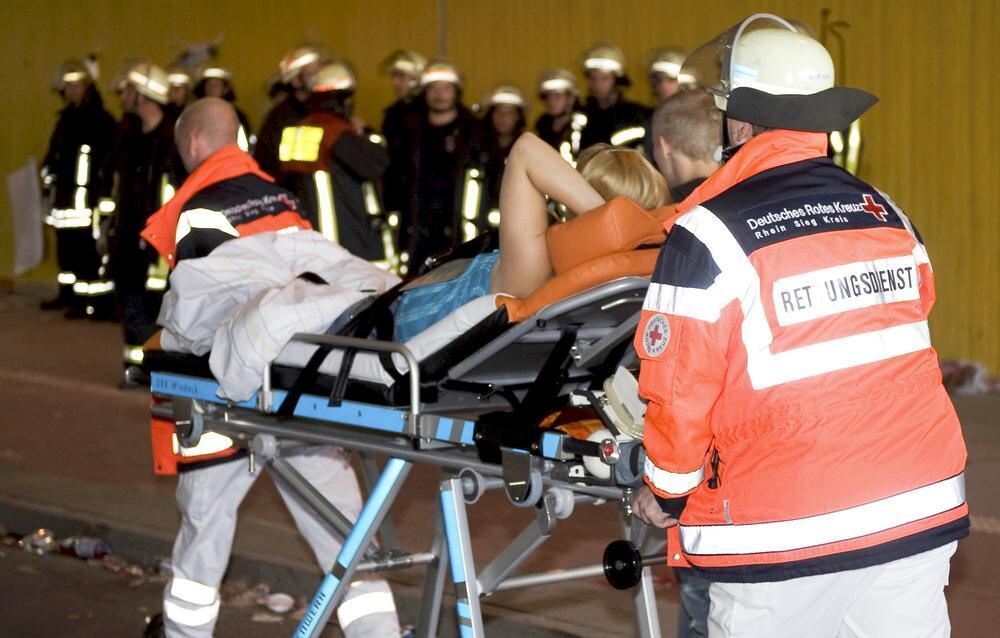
422,307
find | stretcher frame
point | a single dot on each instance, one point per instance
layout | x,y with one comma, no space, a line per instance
544,475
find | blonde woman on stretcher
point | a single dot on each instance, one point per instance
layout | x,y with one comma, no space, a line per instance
535,170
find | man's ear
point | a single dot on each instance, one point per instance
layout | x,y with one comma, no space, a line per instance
740,132
664,145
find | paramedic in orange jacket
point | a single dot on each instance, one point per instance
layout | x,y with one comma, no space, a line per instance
797,424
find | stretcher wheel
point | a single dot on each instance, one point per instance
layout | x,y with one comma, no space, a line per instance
622,564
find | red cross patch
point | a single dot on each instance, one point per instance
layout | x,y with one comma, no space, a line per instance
656,335
875,210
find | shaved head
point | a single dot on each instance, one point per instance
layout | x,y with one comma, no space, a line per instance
203,128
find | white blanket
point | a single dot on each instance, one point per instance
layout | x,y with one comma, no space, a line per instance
245,300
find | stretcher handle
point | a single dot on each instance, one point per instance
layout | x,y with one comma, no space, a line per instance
370,345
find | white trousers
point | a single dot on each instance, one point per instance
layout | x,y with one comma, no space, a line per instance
904,598
208,499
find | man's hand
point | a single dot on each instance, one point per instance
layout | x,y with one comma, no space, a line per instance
645,506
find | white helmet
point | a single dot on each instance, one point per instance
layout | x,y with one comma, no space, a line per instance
150,81
764,71
505,94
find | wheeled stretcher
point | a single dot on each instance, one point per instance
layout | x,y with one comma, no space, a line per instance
473,408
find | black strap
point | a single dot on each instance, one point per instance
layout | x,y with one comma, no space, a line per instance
550,377
302,381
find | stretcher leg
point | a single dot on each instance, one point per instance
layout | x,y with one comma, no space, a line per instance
338,579
430,600
312,497
463,569
643,597
369,473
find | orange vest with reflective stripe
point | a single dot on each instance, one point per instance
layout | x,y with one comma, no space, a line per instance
794,396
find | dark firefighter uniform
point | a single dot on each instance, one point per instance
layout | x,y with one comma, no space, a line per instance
71,174
333,169
622,122
145,175
436,157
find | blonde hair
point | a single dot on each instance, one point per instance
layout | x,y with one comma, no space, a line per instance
615,172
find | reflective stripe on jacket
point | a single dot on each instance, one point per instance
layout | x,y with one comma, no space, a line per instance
794,396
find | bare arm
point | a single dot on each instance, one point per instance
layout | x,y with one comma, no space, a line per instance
534,169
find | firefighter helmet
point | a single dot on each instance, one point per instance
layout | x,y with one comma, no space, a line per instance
69,72
557,80
406,62
668,62
439,70
178,76
150,81
763,71
505,94
214,71
299,58
605,57
334,75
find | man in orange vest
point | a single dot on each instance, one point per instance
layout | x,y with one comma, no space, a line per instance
797,425
227,195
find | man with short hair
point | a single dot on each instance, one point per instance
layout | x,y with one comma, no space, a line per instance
226,196
796,421
687,135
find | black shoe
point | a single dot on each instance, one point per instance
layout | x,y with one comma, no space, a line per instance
154,627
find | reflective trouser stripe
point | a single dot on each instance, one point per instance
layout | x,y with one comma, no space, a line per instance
190,617
191,591
376,602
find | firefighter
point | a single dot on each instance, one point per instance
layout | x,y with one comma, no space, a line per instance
611,118
503,122
663,68
334,167
217,81
179,94
562,123
295,72
70,174
403,68
145,175
796,419
438,144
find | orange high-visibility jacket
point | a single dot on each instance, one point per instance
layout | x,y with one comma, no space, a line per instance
794,396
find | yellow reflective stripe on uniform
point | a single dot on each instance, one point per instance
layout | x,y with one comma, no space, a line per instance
191,591
106,205
493,218
628,135
371,199
853,148
566,152
190,617
156,275
70,217
300,143
134,354
470,204
83,166
846,524
66,278
208,443
673,482
376,602
166,190
204,219
241,140
93,288
327,210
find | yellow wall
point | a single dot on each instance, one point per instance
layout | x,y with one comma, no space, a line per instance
933,141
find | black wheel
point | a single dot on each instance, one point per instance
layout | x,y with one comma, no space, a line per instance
622,564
